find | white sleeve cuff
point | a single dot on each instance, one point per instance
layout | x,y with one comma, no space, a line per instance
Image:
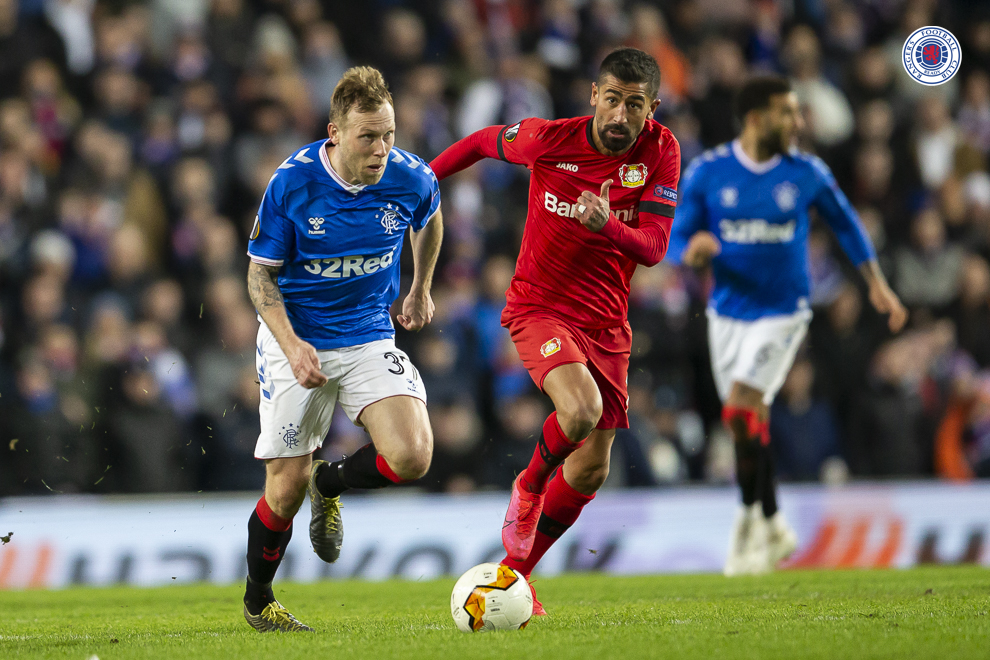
265,261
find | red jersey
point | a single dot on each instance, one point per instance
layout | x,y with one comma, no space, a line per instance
564,267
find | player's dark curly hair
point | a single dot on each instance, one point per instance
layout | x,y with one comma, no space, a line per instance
631,65
756,93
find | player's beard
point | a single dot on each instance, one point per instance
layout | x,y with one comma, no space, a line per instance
615,144
775,142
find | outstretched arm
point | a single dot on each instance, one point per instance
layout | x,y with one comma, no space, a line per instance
418,307
267,299
465,153
522,143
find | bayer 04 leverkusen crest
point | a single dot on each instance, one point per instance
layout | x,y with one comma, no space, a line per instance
632,176
931,55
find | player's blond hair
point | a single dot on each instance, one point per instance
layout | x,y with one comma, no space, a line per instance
362,87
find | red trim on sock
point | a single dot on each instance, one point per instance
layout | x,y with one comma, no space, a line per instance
749,416
269,518
755,427
388,472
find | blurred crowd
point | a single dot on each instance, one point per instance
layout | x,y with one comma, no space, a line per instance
137,138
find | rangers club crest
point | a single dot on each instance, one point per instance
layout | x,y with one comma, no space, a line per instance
931,55
550,347
291,436
632,176
786,195
388,215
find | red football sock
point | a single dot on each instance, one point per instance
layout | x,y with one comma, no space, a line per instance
551,450
561,509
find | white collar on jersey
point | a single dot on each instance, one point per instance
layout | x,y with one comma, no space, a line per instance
353,188
749,163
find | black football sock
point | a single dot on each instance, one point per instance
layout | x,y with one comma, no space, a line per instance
266,547
365,468
747,468
768,481
329,481
257,596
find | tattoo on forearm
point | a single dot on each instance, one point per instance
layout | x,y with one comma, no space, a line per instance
263,288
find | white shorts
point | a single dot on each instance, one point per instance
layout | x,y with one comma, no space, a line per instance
756,353
294,420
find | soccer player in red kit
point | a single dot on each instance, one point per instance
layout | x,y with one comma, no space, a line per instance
601,200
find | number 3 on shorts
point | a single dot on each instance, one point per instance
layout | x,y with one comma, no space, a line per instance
397,361
398,366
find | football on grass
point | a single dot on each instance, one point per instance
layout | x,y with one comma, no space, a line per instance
491,597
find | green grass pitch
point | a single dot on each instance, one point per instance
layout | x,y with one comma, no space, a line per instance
921,613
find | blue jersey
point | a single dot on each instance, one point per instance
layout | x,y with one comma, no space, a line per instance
338,245
759,212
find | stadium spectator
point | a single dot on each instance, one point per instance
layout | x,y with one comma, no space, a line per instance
828,111
226,439
927,272
804,430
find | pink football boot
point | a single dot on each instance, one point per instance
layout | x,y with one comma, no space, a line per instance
519,528
537,605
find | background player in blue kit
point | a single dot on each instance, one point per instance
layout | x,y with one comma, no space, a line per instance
744,207
324,271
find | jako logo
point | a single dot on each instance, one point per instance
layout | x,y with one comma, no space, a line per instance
566,210
570,167
339,267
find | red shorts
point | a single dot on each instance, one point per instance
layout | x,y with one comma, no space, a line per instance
545,341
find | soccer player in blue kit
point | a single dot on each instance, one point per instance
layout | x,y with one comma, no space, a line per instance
744,208
324,272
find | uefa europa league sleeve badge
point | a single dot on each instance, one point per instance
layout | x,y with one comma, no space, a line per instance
931,55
